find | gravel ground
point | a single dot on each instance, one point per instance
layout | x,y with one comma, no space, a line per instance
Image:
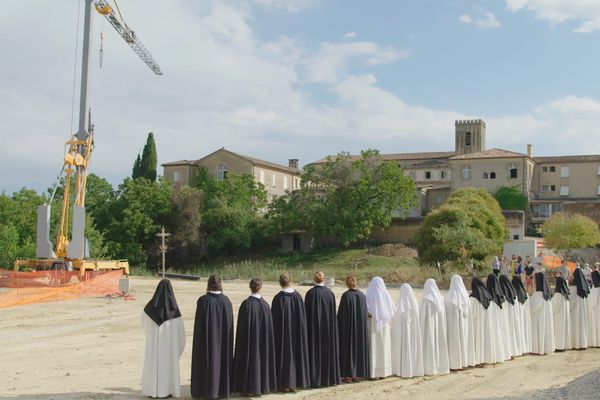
583,388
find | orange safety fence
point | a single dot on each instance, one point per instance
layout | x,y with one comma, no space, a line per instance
553,262
18,288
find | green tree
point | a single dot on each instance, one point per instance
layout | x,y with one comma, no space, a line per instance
468,227
149,159
346,197
137,168
231,211
511,198
564,232
9,248
186,243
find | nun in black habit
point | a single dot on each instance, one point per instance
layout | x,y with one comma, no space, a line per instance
542,317
581,332
212,351
353,322
503,344
291,338
254,361
322,327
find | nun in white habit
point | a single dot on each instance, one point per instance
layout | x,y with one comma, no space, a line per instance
542,318
165,340
562,315
381,308
501,350
510,316
594,307
432,315
579,310
481,340
458,310
407,351
522,313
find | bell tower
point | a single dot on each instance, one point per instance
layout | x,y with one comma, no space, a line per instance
470,136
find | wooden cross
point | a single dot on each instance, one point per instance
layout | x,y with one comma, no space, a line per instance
163,247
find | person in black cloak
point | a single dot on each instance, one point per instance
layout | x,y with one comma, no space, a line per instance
291,338
520,289
510,294
480,292
254,361
562,287
322,327
493,287
212,349
353,323
583,287
541,285
596,278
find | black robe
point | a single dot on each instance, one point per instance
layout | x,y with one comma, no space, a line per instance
562,287
596,278
519,289
321,324
583,287
353,323
493,286
508,289
163,306
541,285
291,340
212,350
254,361
479,292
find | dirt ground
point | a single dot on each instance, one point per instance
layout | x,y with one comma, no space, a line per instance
93,349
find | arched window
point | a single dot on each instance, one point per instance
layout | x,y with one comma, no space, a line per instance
485,175
492,175
222,171
468,139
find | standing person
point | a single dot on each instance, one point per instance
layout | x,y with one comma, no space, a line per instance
504,266
510,316
502,350
496,266
542,319
523,313
562,316
579,310
407,349
458,310
432,315
322,327
381,308
482,337
353,323
254,371
587,272
513,263
594,306
212,350
165,340
519,266
538,260
564,270
529,286
291,338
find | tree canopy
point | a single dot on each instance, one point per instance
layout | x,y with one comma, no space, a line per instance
346,197
145,166
511,198
564,232
468,227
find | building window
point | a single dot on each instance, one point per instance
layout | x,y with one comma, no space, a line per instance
262,176
468,139
427,174
540,211
552,169
512,171
274,180
564,171
548,188
544,169
222,171
492,175
466,173
564,190
443,174
285,182
485,175
598,190
176,177
598,170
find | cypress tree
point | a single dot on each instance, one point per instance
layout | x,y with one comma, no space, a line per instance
149,159
137,168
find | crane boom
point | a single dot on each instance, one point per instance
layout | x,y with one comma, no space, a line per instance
127,34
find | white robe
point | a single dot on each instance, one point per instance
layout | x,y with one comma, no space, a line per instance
381,350
594,310
164,346
526,322
562,322
512,345
435,345
480,344
542,324
518,327
407,351
579,320
458,336
499,329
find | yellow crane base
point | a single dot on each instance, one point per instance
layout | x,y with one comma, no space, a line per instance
44,264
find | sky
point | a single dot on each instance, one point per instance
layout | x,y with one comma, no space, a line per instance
280,79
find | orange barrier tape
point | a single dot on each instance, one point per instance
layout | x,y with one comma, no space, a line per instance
20,288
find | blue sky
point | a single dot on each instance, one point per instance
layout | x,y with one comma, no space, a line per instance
279,79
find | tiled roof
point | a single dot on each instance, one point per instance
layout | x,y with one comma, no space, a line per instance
555,159
180,162
401,156
435,163
254,161
491,153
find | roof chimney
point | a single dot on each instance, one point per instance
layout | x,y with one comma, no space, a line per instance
529,150
293,163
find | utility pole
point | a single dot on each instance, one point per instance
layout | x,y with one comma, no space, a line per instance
163,235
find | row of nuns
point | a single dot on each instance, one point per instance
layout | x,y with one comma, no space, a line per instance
298,344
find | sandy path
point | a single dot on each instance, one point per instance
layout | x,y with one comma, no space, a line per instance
93,349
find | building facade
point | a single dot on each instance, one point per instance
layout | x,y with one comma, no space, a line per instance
277,179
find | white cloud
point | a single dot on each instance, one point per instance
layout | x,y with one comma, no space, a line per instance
558,11
465,19
289,5
350,35
489,21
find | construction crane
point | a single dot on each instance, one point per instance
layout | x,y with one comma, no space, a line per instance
76,163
